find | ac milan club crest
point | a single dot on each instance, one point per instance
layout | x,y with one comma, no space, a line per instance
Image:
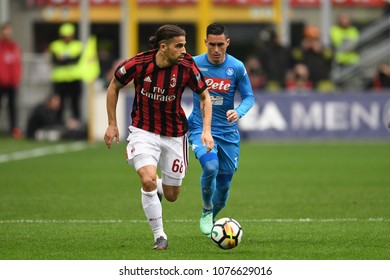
173,82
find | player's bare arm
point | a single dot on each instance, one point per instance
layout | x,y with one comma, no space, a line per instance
112,131
206,109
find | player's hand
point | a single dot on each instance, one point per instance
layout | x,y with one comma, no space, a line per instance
232,116
112,133
207,140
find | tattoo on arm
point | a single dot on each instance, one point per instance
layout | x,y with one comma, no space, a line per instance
202,111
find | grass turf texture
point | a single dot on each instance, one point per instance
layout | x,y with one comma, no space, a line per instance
299,201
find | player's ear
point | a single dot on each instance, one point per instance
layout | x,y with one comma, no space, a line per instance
163,46
227,42
205,42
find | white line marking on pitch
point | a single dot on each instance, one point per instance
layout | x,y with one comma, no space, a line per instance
302,220
43,151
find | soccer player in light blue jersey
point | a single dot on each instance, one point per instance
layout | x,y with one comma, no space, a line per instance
225,75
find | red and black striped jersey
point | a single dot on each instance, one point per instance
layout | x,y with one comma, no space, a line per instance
158,91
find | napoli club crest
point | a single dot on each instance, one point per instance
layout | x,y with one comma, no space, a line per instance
230,71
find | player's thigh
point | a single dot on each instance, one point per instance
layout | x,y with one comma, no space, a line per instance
173,160
197,147
143,148
228,152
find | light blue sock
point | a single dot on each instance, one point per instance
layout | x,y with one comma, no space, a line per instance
221,193
208,181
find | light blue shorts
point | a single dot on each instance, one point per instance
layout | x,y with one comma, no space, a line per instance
226,146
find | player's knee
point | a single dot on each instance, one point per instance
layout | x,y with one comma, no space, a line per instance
148,183
171,194
210,165
210,169
171,187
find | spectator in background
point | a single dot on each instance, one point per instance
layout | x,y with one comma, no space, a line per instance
67,71
386,10
10,75
317,59
106,62
343,37
43,123
381,80
275,59
297,79
255,72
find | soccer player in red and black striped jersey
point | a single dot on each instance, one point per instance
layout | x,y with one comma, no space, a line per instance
158,131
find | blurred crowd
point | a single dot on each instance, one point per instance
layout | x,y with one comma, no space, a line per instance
308,66
47,120
273,68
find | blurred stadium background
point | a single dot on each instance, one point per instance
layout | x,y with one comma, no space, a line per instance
123,28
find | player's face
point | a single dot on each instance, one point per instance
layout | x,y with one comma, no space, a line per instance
216,48
175,50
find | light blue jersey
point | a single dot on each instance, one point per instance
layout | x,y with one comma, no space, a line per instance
223,81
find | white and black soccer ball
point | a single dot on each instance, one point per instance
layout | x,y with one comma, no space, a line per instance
226,233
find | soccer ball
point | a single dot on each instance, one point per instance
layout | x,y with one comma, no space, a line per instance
226,233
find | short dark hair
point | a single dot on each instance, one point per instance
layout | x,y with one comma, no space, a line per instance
217,29
165,32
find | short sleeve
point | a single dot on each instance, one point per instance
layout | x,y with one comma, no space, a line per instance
197,82
125,71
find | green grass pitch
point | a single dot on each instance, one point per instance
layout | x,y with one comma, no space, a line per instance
295,201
